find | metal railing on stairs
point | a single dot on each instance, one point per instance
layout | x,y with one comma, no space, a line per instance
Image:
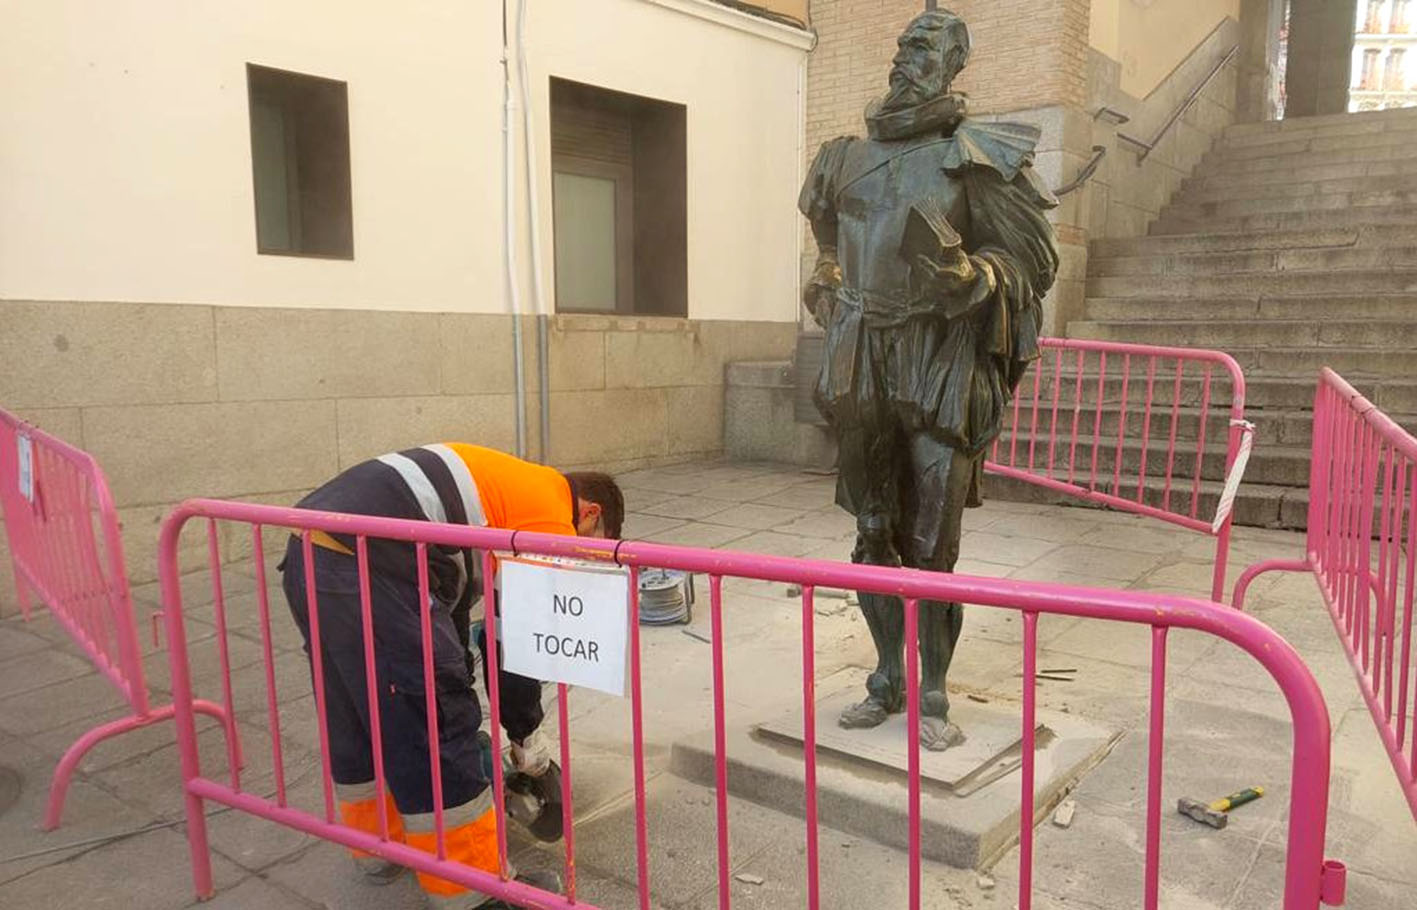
1148,146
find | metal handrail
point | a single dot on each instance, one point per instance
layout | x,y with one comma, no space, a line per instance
1098,151
1148,147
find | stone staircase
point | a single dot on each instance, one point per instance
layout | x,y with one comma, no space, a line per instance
1293,247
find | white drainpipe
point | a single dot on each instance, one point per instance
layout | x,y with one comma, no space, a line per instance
534,222
510,282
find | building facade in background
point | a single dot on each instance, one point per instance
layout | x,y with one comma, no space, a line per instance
1384,48
245,246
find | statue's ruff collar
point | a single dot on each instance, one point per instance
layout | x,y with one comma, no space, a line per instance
1002,146
940,114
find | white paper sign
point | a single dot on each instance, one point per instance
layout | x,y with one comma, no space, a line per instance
566,624
26,478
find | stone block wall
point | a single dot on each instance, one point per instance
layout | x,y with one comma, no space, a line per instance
264,404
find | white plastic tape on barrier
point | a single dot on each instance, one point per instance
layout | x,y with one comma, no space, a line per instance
1236,474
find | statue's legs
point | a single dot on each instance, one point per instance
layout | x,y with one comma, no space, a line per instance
932,511
867,485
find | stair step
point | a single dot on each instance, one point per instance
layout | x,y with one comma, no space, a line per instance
1240,190
1284,389
1390,368
1383,335
1218,161
1337,131
1256,284
1328,259
1273,426
1313,306
1256,504
1361,237
1346,124
1293,361
1297,145
1192,222
1264,390
1290,427
1270,463
1209,178
1242,207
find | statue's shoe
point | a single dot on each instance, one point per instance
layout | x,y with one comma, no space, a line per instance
938,735
869,713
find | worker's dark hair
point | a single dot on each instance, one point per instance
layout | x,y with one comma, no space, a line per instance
601,489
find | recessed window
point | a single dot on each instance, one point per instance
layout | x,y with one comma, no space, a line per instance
300,164
619,202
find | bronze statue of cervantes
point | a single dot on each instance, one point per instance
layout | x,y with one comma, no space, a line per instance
935,253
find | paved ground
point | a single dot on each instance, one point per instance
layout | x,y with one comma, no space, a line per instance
122,841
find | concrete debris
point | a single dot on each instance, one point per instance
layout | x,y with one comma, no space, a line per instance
985,882
1063,815
749,879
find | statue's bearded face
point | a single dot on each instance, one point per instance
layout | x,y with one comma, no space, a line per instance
928,58
917,73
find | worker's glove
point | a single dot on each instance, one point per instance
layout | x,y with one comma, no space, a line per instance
532,756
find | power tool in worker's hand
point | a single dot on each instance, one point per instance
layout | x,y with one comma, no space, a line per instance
533,801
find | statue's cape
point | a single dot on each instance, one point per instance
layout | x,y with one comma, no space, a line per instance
1006,148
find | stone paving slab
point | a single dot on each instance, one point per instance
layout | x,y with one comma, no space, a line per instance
1220,705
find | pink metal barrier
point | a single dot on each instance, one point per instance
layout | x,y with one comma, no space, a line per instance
1126,426
1308,878
1362,550
62,531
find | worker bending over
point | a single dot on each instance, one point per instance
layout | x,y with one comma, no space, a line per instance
460,484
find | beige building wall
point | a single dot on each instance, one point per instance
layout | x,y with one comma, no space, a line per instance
125,164
138,321
1150,38
743,92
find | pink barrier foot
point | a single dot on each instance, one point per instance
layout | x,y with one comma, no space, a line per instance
1242,584
64,771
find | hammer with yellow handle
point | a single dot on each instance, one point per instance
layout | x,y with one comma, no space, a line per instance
1215,813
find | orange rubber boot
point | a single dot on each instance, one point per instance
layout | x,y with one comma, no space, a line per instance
362,814
472,843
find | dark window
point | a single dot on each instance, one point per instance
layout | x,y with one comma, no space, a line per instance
619,202
300,163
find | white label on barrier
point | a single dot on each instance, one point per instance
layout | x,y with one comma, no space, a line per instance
26,470
566,624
